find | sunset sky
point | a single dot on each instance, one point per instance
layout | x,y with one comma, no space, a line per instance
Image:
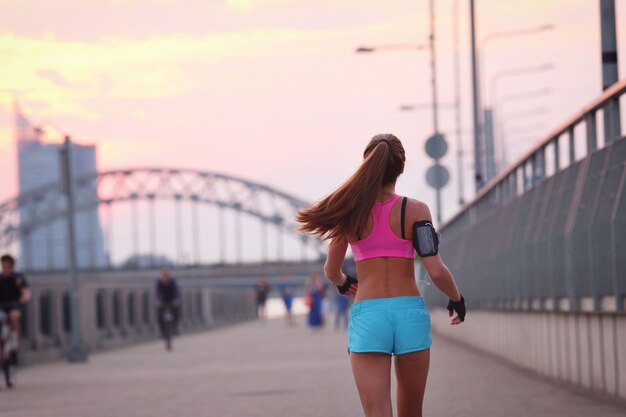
271,90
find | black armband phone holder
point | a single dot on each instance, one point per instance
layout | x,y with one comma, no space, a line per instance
425,239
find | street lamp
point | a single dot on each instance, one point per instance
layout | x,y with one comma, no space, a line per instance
478,177
538,111
457,100
425,106
77,351
392,47
490,114
516,130
515,72
507,34
483,133
523,96
433,66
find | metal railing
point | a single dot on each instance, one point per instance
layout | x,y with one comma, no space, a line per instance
117,311
549,232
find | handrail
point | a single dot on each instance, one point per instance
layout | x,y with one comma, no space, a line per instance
611,93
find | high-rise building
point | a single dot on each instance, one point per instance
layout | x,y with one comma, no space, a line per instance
45,247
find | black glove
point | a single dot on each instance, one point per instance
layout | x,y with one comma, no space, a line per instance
346,285
459,307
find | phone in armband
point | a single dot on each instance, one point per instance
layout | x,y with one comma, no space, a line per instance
425,239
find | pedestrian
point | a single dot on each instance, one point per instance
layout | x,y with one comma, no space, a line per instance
315,293
342,308
287,290
389,316
262,289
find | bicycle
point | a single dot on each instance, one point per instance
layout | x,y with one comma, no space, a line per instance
8,351
167,317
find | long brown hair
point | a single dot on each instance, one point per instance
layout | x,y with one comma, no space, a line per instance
346,210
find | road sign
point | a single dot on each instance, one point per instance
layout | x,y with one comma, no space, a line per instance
436,146
437,176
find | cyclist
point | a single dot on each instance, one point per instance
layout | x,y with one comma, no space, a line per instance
14,293
168,296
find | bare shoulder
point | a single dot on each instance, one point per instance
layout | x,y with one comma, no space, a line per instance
417,210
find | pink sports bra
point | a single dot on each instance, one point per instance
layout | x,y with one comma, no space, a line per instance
382,241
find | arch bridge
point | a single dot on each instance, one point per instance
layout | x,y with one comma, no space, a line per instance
37,211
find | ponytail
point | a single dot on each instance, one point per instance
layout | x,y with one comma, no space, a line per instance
346,210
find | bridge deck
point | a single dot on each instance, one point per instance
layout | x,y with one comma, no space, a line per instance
269,370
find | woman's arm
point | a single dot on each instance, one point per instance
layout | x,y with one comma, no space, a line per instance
441,276
439,272
332,268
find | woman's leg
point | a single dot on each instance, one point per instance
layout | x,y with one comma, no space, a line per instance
372,373
411,372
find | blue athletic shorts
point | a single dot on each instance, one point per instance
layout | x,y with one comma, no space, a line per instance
393,325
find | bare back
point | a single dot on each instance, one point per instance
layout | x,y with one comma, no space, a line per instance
384,277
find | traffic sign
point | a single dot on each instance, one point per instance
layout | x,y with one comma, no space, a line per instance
436,146
437,176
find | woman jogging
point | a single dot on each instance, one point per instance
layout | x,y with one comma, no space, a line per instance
389,316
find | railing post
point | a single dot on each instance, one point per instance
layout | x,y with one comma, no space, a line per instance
592,133
612,128
512,185
540,169
505,189
572,145
557,155
534,168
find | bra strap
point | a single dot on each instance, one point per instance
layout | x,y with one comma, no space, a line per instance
402,215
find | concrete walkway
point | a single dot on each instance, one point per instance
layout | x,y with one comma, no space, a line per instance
269,370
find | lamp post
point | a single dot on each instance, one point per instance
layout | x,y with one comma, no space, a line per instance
507,34
425,106
610,75
391,47
478,176
487,128
433,68
434,104
515,72
77,351
457,101
527,95
491,114
501,129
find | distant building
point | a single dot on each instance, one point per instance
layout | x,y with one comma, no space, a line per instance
45,248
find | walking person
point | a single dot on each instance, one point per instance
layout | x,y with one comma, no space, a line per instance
262,289
389,316
315,291
342,310
287,290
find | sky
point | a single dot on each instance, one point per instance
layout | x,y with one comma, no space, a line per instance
271,90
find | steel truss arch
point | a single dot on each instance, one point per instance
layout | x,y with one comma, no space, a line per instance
46,204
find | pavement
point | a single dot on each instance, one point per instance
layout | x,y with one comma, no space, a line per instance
271,370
